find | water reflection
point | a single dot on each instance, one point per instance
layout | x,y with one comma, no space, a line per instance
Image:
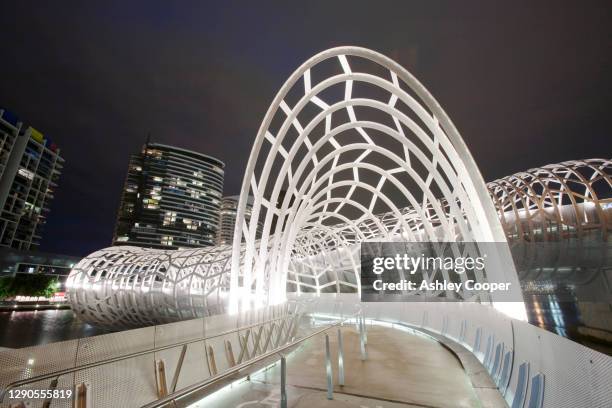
547,312
31,328
566,288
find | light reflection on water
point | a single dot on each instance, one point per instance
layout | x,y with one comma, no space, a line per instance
31,328
562,318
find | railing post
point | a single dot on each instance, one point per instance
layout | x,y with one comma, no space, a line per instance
179,366
283,382
229,354
257,340
340,358
270,332
296,326
281,327
81,396
52,386
364,353
211,361
244,347
291,320
328,369
160,376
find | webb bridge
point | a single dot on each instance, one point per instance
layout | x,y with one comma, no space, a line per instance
352,149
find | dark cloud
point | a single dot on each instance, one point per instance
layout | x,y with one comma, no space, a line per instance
525,84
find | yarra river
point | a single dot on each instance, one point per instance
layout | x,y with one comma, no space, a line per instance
31,328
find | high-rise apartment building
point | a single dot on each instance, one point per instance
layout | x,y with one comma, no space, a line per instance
30,165
227,219
171,199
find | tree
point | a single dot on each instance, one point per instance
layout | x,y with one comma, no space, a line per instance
28,285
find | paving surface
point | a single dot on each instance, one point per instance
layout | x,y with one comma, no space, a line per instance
402,370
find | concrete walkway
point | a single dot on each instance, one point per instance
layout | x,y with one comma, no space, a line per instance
402,370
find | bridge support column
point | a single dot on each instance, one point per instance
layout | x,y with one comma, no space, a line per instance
283,384
328,369
340,359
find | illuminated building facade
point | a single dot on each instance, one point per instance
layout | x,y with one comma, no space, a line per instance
227,219
171,199
30,166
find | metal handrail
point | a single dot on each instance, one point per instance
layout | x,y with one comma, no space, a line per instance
236,369
57,374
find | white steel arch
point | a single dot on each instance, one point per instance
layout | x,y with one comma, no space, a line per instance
351,135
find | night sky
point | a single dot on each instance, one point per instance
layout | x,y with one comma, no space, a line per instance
525,84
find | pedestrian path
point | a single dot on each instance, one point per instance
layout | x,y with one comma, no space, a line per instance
401,370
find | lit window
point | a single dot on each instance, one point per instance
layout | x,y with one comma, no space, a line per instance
26,173
169,218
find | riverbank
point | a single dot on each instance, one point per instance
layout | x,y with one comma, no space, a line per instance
32,306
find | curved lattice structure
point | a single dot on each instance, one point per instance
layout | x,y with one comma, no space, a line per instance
558,219
561,201
130,286
353,148
352,134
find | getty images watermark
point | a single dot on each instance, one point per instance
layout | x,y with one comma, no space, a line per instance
435,271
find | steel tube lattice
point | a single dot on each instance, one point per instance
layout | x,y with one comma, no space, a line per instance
352,134
352,148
